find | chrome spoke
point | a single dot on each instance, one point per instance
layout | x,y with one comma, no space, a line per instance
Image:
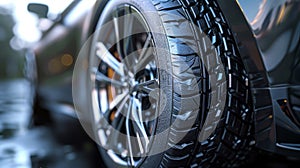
144,59
121,107
104,79
117,33
103,53
118,99
138,122
118,103
117,123
146,46
140,144
129,60
129,143
148,86
127,28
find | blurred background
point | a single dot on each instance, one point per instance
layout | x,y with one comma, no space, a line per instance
53,139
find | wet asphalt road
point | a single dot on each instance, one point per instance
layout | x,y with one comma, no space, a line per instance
24,144
51,144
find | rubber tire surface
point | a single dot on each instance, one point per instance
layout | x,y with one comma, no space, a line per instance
187,24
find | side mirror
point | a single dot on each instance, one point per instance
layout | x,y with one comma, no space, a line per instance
40,9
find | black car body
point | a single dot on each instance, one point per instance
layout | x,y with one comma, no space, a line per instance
266,32
273,57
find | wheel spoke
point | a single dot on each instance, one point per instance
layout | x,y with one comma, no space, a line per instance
118,99
117,123
146,46
117,33
116,105
121,106
103,53
127,28
148,86
104,79
128,134
128,23
138,123
144,59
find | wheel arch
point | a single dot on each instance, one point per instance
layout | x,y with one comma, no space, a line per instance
264,107
262,103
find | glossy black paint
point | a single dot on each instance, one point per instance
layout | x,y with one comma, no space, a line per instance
268,38
57,51
267,34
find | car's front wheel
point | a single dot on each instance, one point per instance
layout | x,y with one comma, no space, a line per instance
167,86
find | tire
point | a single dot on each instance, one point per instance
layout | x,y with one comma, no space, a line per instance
202,115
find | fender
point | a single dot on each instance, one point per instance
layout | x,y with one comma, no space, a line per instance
258,27
90,22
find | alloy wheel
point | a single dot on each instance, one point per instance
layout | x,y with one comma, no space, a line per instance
126,86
